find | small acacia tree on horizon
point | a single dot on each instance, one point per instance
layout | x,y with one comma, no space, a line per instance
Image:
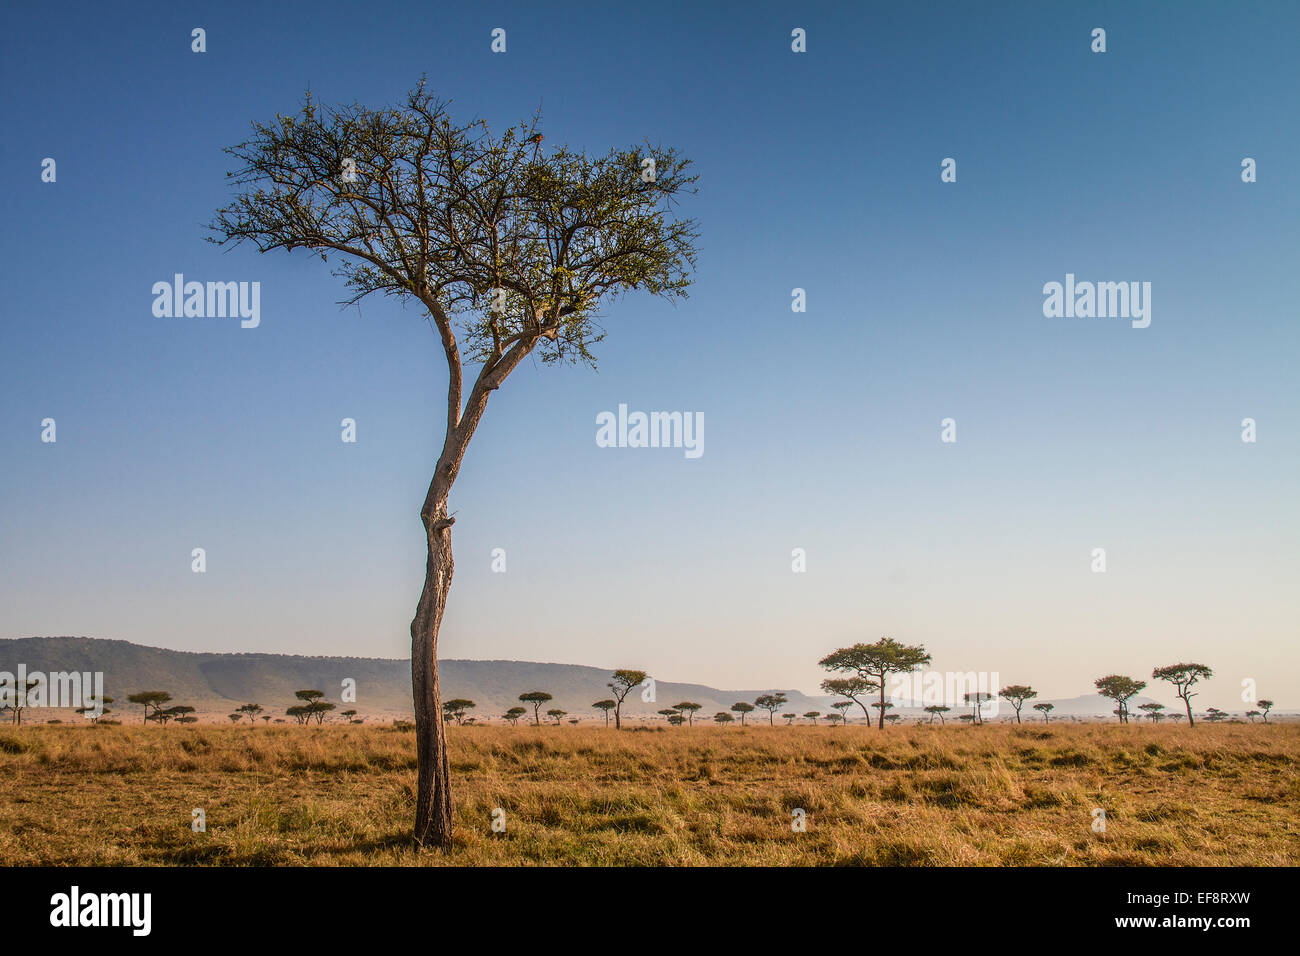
853,688
813,715
510,250
742,708
1018,694
605,706
1183,677
875,662
1265,706
513,715
771,703
458,709
937,710
622,684
150,699
1119,689
536,698
1045,709
688,709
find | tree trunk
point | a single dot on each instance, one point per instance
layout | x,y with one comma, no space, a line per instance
881,720
433,786
1188,702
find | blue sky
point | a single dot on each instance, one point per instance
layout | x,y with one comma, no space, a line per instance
817,170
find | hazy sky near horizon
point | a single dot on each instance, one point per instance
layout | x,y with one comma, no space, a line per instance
818,170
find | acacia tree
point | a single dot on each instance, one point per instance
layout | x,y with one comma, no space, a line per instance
875,662
622,684
1153,711
854,688
511,251
742,708
252,710
556,714
842,706
722,718
536,698
1265,706
813,715
937,710
977,700
457,708
148,699
513,715
1119,689
1018,694
1183,677
771,703
1045,709
101,705
605,706
688,708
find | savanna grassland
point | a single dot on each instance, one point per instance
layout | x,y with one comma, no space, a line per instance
918,795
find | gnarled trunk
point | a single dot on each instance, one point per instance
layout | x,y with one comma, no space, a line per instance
433,785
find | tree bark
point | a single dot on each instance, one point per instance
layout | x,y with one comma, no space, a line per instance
1188,702
433,784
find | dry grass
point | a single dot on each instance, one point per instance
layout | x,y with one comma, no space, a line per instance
993,795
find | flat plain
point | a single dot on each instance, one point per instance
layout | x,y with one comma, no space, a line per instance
992,795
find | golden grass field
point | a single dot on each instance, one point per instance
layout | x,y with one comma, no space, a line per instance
918,795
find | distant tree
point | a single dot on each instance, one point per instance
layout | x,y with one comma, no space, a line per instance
621,685
875,662
89,712
266,719
742,708
313,705
813,715
937,710
893,718
605,706
1119,689
555,714
835,718
688,708
1265,706
770,703
252,710
722,717
318,709
513,715
1153,711
1175,717
235,718
1251,715
676,719
150,699
457,709
1184,678
179,713
1213,715
789,719
1045,710
299,712
348,715
967,718
573,720
670,713
842,706
882,705
536,698
853,688
977,700
1018,694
